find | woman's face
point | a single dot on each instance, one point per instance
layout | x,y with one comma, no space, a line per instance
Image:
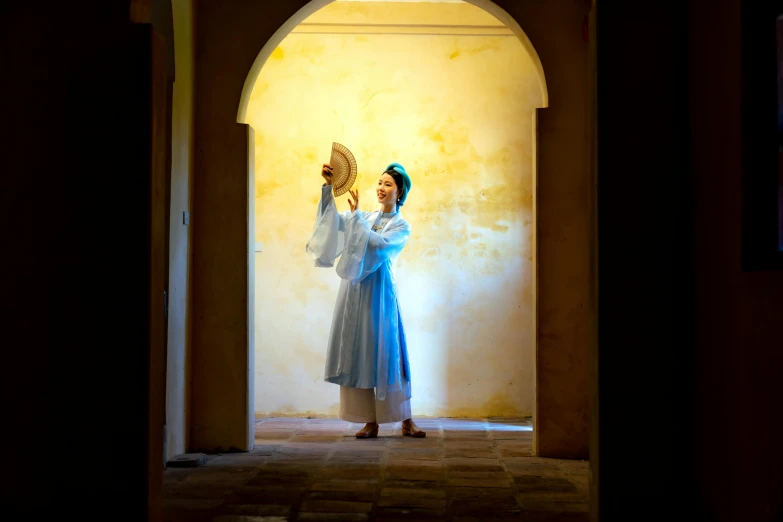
387,190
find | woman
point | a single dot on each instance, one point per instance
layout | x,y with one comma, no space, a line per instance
367,354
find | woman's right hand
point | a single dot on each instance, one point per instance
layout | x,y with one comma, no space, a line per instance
326,172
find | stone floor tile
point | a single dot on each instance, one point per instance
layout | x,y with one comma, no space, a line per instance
554,516
275,480
188,515
332,517
352,473
270,438
193,503
479,474
396,451
222,475
359,460
335,506
390,491
460,506
410,442
575,464
475,467
510,443
577,472
364,449
412,498
478,493
346,485
174,475
413,463
383,514
335,466
258,510
409,517
466,436
479,480
264,450
554,506
459,461
316,438
292,470
509,516
200,491
404,483
460,444
412,502
277,495
345,495
300,446
352,442
435,477
248,518
236,463
469,453
552,485
478,483
512,433
521,471
526,466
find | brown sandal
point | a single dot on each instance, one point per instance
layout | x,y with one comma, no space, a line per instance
372,434
418,434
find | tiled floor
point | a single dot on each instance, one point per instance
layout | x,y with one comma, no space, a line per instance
316,470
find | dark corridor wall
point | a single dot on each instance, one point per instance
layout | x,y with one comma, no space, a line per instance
690,344
74,204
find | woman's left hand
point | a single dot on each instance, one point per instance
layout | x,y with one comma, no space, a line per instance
354,203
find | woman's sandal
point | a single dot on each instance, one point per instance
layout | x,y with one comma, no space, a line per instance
372,434
418,434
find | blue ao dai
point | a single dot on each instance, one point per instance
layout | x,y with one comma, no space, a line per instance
366,346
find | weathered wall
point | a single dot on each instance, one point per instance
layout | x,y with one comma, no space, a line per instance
229,37
457,110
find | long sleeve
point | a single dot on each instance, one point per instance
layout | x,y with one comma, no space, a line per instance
365,250
328,239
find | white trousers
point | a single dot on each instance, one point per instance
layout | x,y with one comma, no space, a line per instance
360,405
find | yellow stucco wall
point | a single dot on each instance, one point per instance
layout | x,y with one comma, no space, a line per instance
456,109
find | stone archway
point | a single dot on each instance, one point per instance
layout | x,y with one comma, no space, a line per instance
504,368
222,409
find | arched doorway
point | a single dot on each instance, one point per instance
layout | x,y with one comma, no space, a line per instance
451,92
223,302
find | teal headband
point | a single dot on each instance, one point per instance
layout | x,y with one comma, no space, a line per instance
406,180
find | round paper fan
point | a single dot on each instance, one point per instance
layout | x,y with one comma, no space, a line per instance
343,169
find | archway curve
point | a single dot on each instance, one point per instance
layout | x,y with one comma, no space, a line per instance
315,5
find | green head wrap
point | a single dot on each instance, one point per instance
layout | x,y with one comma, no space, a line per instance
406,180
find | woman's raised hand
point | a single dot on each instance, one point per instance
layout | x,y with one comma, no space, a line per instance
326,172
354,203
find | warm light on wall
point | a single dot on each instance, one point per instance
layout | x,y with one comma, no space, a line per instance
456,110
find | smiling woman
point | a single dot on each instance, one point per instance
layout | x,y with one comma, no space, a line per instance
367,353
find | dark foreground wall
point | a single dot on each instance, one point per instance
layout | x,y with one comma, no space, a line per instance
690,344
75,205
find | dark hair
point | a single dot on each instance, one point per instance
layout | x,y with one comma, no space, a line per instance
397,181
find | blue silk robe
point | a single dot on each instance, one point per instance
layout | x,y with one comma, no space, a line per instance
367,341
